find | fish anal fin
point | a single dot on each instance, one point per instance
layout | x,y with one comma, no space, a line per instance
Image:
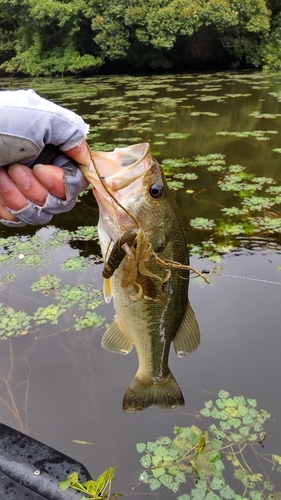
164,393
115,340
187,338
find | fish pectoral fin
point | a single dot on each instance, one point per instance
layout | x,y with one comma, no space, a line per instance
187,338
115,340
107,290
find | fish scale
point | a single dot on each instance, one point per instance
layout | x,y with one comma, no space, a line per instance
152,310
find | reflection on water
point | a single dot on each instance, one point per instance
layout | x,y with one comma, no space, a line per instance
57,382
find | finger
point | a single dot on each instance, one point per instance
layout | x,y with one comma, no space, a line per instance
4,212
52,178
81,154
10,193
28,184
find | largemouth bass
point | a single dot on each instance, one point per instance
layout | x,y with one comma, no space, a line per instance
141,233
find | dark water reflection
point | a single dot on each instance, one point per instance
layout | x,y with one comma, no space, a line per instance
64,385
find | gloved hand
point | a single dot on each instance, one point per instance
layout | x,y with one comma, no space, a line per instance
37,181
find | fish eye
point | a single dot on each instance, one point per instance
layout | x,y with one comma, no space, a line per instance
156,190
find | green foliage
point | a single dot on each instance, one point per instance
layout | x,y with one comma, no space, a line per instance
259,135
98,489
256,197
205,455
13,322
271,46
202,223
76,35
31,252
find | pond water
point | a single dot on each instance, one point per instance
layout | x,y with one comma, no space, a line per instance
218,137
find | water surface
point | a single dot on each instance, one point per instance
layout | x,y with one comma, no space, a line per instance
58,384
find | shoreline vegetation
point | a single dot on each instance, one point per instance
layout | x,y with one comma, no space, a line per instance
56,37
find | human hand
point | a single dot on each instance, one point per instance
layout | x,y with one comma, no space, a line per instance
33,196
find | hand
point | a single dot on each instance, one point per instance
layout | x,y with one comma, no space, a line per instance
34,195
20,185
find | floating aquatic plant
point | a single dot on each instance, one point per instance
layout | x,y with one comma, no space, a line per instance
202,223
13,322
83,298
260,135
206,113
204,455
93,489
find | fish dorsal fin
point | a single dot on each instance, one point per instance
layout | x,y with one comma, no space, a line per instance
107,290
115,340
187,338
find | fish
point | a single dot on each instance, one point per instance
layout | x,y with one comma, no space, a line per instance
141,236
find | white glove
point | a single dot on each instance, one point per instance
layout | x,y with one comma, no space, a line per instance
27,124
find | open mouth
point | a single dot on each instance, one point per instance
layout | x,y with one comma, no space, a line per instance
119,168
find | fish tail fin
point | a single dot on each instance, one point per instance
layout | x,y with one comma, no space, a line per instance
163,392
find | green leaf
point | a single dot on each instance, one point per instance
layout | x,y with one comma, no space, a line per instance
234,422
173,470
211,496
160,451
243,410
151,446
256,495
168,460
140,447
157,461
217,483
213,456
145,461
220,403
209,404
244,431
247,420
64,485
236,437
216,444
230,402
154,484
164,440
205,412
180,478
144,477
227,492
166,479
252,402
225,425
223,394
158,472
240,400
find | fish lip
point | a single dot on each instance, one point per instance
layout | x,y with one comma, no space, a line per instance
111,172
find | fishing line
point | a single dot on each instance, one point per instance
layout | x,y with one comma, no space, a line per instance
107,190
206,271
247,278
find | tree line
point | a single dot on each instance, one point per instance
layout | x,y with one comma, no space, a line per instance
44,37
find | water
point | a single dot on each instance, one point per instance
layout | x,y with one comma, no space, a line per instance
58,384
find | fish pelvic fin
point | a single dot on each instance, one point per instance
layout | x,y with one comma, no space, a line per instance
187,338
164,393
115,340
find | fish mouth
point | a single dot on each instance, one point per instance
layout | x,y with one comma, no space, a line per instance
118,169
